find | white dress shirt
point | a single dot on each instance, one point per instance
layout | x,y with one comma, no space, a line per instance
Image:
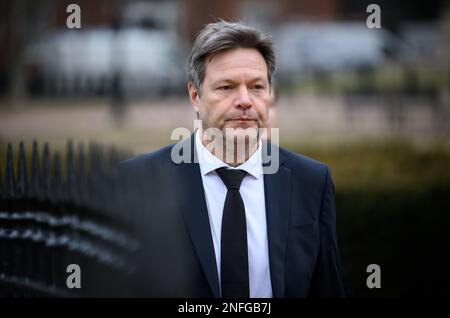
252,192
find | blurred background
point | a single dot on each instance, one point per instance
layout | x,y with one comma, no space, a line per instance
373,104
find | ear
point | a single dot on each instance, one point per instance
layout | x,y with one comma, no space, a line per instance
194,96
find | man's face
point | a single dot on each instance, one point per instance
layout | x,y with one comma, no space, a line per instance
235,92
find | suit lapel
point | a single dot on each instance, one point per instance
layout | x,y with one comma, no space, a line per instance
193,204
277,189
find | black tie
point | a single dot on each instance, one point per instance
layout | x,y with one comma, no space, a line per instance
234,255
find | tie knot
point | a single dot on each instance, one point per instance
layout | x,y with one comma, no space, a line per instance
232,178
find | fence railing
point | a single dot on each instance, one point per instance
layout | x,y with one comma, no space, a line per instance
60,210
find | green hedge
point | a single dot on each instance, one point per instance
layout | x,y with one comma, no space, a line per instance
393,209
404,231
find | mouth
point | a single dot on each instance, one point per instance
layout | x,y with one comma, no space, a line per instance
242,119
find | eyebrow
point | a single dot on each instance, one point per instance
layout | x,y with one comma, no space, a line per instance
229,80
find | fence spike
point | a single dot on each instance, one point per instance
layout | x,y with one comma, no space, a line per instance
72,189
35,182
9,173
70,161
92,159
57,180
96,159
113,157
81,166
46,177
81,175
21,186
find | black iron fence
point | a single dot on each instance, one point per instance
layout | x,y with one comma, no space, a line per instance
64,229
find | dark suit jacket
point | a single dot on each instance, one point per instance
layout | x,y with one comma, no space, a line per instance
178,257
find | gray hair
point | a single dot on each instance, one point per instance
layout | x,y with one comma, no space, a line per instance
220,36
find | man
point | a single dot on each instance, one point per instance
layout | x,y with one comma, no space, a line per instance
219,224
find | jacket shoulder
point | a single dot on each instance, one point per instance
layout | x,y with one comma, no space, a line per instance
302,163
156,158
311,173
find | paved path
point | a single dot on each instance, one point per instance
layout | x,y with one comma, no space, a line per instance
148,125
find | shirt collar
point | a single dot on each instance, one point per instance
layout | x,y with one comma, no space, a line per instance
208,162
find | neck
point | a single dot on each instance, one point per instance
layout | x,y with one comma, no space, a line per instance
232,153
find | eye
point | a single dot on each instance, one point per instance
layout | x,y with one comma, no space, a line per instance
224,87
258,87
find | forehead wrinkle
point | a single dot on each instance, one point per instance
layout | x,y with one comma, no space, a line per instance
227,68
228,65
251,55
245,62
239,69
237,78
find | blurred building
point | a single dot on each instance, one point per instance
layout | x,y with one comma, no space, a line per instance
147,42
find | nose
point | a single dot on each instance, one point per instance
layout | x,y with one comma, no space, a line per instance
243,100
